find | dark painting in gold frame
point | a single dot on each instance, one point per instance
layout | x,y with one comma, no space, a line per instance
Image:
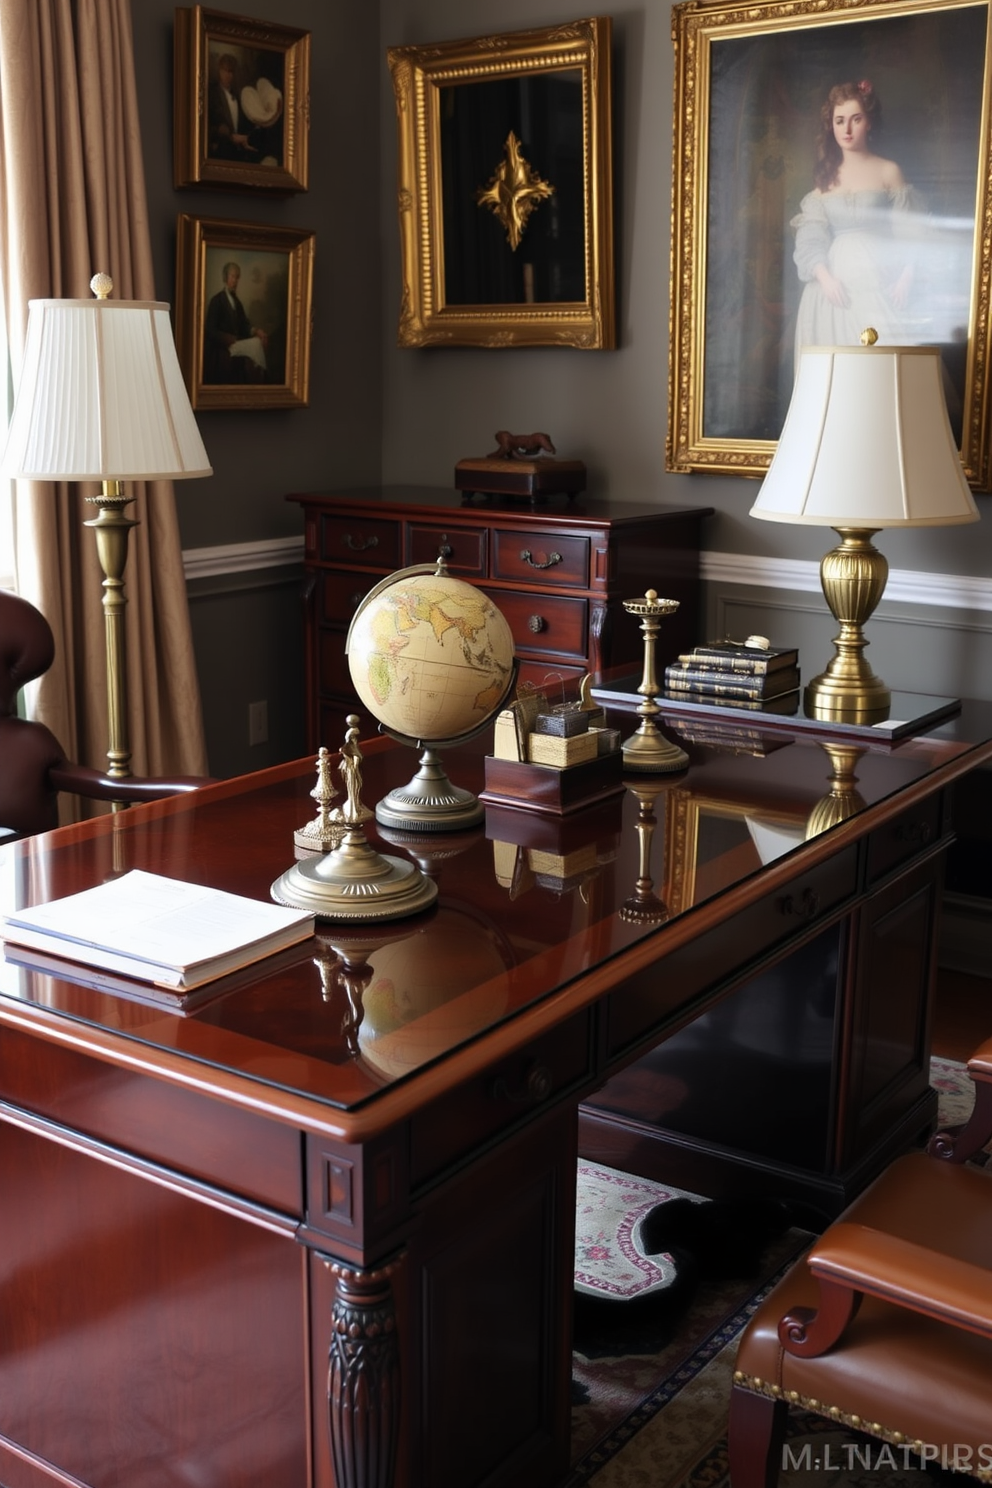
749,84
244,346
264,69
505,189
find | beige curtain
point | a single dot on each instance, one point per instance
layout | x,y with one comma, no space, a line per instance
72,201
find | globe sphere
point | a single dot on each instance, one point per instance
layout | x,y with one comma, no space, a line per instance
430,656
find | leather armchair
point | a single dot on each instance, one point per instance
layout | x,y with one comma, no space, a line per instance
33,765
886,1324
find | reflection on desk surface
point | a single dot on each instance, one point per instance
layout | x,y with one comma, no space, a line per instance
527,904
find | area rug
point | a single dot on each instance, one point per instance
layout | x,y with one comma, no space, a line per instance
654,1415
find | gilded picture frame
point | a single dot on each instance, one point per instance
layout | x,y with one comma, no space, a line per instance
505,189
244,296
241,114
750,83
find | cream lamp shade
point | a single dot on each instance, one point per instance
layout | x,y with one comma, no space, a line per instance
867,444
101,396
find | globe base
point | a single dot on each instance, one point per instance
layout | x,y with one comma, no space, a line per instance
430,803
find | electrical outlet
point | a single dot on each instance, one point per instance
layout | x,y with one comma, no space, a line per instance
258,722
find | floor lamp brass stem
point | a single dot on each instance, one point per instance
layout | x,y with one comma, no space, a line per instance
112,529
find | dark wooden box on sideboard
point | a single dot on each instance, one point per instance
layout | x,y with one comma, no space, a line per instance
559,571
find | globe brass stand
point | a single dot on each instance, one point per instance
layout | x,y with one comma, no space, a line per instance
354,882
429,802
648,749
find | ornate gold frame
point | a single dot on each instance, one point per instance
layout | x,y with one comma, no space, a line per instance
196,238
197,31
420,74
697,27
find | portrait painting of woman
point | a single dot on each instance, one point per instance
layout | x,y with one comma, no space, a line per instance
843,169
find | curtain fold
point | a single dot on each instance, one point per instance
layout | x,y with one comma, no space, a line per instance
72,202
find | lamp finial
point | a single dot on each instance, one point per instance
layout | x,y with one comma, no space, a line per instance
102,286
869,336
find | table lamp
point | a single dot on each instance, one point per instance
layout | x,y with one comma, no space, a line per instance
101,398
867,444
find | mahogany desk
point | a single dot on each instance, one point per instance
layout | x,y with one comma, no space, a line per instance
261,1245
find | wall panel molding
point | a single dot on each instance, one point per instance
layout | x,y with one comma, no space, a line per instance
905,585
245,557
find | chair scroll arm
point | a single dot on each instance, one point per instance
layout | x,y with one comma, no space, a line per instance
81,780
959,1143
932,1283
808,1332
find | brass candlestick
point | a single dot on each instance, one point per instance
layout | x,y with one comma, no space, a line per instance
648,749
644,906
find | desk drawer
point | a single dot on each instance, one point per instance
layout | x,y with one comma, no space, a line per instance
462,548
911,833
544,623
541,558
372,542
727,948
453,1127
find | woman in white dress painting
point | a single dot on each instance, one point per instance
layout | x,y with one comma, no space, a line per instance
854,231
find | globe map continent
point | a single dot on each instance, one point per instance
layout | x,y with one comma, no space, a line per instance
431,657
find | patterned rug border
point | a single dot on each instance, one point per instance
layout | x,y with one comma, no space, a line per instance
666,1390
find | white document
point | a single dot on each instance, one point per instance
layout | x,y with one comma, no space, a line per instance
161,930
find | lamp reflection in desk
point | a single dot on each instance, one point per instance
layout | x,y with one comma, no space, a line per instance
867,444
101,398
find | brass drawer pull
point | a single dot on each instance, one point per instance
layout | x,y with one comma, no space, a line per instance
356,599
527,557
360,544
803,907
536,1086
537,623
920,832
445,550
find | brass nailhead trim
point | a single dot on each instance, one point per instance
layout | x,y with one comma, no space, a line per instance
846,1418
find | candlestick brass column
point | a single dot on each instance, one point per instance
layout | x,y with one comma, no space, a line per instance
648,749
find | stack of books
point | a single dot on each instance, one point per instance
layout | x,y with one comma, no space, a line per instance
732,674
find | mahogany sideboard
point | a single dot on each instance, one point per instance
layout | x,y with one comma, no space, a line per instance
558,569
316,1229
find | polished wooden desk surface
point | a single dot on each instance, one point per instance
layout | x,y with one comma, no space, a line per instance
492,960
276,1239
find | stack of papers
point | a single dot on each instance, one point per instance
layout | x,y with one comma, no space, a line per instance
159,930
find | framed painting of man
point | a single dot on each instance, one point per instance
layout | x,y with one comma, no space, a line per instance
505,189
243,306
242,102
832,171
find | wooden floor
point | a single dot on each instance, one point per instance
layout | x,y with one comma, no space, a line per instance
962,1013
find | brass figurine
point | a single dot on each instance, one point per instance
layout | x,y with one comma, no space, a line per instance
327,828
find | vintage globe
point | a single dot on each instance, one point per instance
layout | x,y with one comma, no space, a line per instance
430,656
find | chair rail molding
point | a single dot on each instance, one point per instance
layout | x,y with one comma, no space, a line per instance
244,557
905,585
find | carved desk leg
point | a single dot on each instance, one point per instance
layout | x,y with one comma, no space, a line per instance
363,1379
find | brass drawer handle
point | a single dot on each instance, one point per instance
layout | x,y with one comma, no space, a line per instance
445,550
536,1086
920,832
360,544
803,907
527,557
356,599
536,623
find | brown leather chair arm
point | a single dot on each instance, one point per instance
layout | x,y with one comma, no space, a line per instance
910,1275
84,781
980,1063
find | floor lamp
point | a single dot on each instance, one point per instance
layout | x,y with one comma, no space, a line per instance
101,398
867,444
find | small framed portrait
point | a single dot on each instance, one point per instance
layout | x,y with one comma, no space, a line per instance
505,189
243,312
832,174
242,102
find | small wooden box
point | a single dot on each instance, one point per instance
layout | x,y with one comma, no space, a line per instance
543,788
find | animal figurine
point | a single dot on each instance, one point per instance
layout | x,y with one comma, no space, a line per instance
520,446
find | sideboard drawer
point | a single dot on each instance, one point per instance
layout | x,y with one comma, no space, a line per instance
541,558
462,548
340,596
543,622
900,840
369,541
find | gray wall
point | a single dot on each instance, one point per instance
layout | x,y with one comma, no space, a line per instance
401,415
247,626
